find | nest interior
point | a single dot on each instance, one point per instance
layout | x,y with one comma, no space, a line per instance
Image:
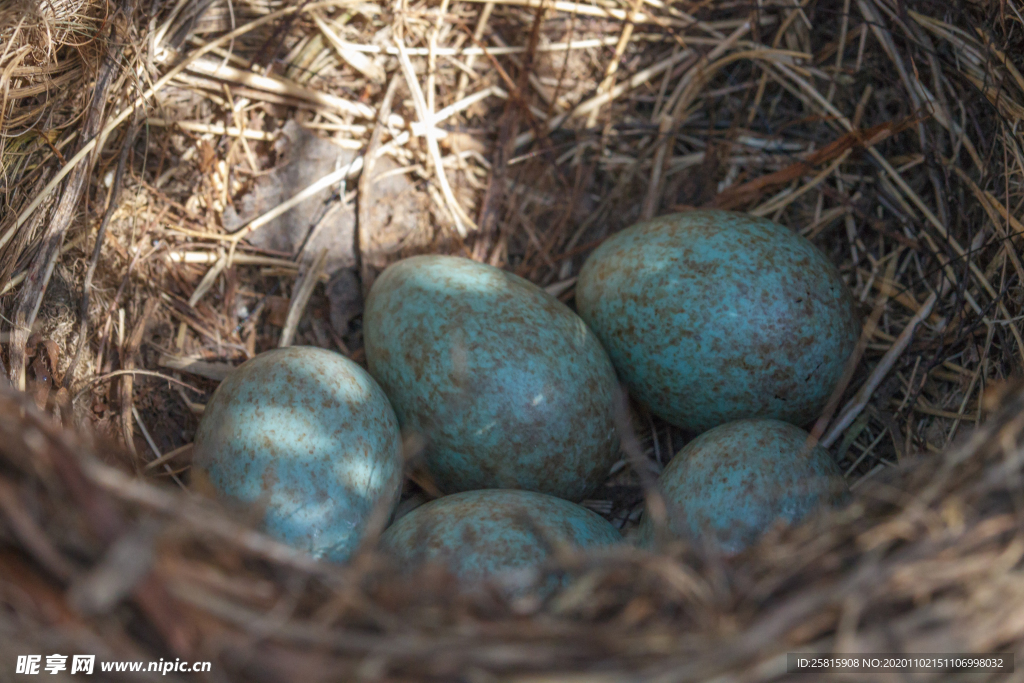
186,184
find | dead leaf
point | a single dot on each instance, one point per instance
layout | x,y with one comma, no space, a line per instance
397,215
303,159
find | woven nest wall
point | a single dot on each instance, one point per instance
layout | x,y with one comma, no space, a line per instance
186,184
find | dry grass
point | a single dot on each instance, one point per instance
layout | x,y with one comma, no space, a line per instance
521,134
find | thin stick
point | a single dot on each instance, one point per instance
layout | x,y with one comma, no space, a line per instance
152,447
857,404
115,192
478,35
978,372
128,111
210,370
776,204
208,257
613,63
169,455
147,373
129,348
840,49
675,106
65,248
431,91
31,296
363,238
213,129
301,298
885,291
462,104
349,170
500,50
280,86
357,60
621,15
463,223
207,282
634,81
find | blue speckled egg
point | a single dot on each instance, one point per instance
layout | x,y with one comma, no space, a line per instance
731,483
711,316
508,387
479,533
311,435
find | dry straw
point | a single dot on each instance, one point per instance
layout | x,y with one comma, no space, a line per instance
521,133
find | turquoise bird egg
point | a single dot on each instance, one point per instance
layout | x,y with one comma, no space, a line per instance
310,435
730,484
477,534
506,385
712,316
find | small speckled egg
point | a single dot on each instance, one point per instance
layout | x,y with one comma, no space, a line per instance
479,533
731,483
711,316
507,386
309,434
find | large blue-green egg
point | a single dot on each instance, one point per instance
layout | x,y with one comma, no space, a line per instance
310,435
730,484
506,385
712,316
477,534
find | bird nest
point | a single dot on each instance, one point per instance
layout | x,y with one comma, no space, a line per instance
186,184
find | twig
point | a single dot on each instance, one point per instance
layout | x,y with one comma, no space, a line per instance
88,146
619,14
852,409
675,106
885,291
349,170
508,123
209,278
634,81
131,347
280,86
478,35
613,63
170,455
363,237
31,296
500,50
115,192
215,371
153,447
357,60
463,223
65,248
304,289
655,505
213,129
